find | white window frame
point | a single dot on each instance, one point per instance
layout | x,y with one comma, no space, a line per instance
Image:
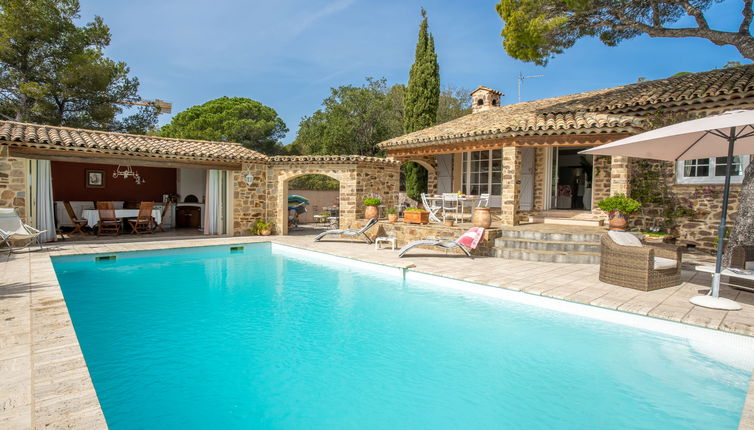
681,179
466,171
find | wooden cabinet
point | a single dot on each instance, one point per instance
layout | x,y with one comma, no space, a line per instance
188,216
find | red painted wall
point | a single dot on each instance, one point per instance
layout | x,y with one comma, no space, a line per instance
69,183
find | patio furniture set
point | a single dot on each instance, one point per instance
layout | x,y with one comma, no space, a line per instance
447,205
106,219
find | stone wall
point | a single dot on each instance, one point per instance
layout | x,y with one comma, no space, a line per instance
249,201
509,206
266,198
600,182
540,172
699,229
13,173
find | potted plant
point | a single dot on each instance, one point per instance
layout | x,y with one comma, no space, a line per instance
392,215
371,210
262,227
416,216
619,207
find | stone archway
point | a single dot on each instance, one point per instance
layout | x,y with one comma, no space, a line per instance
347,207
430,164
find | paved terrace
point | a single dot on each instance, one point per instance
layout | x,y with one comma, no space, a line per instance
44,381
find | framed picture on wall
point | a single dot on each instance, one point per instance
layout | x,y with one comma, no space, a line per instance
95,178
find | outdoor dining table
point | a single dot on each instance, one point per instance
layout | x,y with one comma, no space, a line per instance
463,200
92,215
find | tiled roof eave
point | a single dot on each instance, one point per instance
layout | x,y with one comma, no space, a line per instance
330,159
493,135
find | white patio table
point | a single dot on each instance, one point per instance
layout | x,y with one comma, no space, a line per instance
463,201
729,273
92,215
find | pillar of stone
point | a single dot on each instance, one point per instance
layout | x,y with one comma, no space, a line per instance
511,185
619,175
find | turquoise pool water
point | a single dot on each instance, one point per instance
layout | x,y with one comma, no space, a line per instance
265,338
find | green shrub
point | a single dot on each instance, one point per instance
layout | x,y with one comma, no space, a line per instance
260,225
620,203
372,202
392,211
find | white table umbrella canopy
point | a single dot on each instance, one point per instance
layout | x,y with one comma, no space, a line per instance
725,135
689,140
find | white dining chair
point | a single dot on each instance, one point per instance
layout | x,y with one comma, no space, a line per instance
450,205
432,208
484,201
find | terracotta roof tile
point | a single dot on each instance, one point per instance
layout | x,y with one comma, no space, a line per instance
611,110
44,136
304,159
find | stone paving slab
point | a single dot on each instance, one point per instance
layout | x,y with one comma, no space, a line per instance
44,381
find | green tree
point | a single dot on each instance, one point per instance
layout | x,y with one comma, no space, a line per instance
231,119
454,103
352,121
536,30
420,102
54,72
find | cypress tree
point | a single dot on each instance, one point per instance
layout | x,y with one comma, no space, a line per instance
420,102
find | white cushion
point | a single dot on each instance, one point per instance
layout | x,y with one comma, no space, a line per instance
624,238
664,263
749,265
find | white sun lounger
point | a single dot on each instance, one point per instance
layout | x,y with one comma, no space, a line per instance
351,232
467,242
444,244
12,229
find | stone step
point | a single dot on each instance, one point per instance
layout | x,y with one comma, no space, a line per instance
551,237
547,256
548,245
575,221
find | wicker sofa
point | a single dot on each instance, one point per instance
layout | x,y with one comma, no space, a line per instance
637,265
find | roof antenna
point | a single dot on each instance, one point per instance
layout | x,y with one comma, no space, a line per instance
521,77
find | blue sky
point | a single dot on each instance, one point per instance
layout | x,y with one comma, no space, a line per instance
287,54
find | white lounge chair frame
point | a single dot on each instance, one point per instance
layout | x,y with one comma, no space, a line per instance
13,229
444,244
351,232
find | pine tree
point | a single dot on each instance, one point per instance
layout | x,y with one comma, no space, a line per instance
420,103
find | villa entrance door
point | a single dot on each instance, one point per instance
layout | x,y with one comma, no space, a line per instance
570,179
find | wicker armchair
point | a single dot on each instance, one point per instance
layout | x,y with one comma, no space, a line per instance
740,255
634,266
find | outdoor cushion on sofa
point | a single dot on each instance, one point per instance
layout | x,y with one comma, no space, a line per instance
624,238
664,263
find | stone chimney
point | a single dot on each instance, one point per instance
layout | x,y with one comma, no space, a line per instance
484,98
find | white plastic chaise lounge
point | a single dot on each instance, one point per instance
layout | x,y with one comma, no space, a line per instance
466,243
351,232
12,229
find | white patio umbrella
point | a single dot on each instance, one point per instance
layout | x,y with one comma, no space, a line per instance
725,135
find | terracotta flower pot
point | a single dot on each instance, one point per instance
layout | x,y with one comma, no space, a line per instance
265,232
416,217
482,217
371,212
618,221
448,223
392,217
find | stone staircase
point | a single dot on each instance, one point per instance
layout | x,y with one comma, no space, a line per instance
560,247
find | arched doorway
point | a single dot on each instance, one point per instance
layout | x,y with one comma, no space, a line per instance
310,179
418,176
321,210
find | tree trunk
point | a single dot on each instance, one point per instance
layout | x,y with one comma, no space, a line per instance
743,229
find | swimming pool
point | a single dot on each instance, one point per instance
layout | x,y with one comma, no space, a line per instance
266,336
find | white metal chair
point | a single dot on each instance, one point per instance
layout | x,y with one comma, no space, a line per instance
450,205
12,229
431,208
484,201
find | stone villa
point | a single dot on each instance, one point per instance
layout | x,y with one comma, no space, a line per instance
525,155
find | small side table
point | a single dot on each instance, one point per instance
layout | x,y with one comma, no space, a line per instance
382,239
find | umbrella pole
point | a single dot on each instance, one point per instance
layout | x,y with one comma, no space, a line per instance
713,300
